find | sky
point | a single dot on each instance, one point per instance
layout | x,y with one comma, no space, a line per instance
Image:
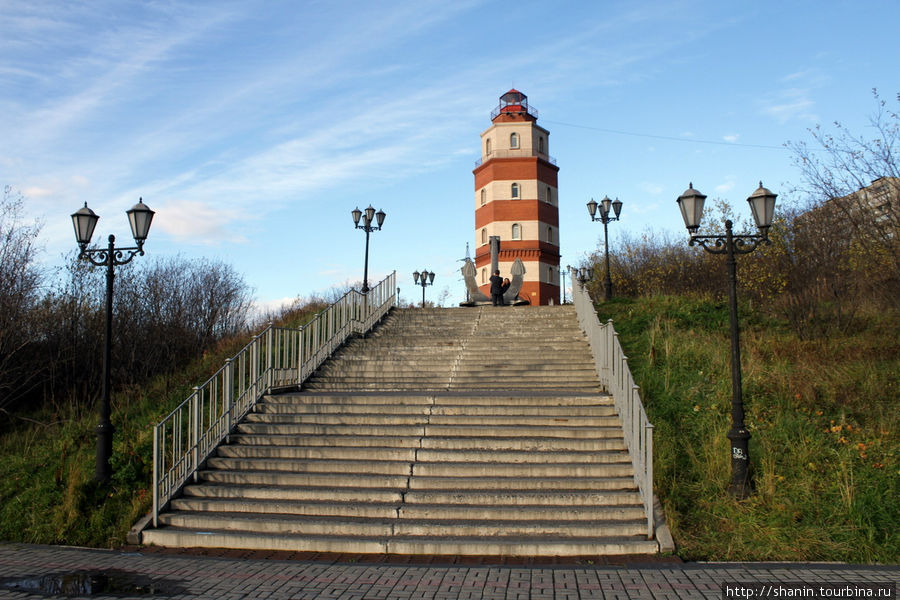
253,128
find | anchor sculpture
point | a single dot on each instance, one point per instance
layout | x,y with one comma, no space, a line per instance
477,297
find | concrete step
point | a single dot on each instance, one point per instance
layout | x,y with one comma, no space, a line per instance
524,512
524,497
501,482
505,430
523,443
377,510
318,452
496,471
496,418
422,455
281,524
361,441
390,510
498,398
418,545
318,465
330,480
294,493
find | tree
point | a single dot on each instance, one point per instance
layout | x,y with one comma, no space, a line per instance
20,281
852,186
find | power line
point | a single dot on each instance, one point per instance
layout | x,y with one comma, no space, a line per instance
664,137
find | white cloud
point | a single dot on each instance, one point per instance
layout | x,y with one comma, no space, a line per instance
731,137
652,188
199,222
727,186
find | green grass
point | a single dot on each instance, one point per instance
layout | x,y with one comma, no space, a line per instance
47,491
824,415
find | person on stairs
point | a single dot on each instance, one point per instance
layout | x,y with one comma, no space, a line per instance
503,289
496,289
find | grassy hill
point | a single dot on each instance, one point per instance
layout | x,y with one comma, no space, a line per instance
824,414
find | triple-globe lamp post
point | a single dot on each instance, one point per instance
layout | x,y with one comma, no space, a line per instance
367,217
85,220
605,217
424,278
762,205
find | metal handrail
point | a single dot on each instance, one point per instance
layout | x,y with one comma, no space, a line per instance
515,153
277,357
612,368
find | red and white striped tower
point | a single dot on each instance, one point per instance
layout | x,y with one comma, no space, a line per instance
516,199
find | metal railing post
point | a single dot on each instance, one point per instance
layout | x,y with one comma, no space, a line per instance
648,478
194,425
229,394
269,357
156,473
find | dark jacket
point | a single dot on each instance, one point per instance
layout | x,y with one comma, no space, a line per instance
496,284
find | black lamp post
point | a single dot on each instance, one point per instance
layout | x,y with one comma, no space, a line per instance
762,205
424,278
367,217
605,217
85,220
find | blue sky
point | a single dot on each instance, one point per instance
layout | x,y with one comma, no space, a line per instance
253,128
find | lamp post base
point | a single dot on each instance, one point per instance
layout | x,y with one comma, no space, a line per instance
740,487
103,472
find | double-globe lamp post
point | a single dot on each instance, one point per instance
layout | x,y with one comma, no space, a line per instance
424,278
367,218
762,205
85,220
605,217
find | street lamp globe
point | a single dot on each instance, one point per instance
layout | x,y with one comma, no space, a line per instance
762,205
139,217
84,220
617,207
604,206
691,205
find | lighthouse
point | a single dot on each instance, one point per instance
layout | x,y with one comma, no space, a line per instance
516,200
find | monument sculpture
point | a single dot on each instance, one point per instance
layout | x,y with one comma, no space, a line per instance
476,296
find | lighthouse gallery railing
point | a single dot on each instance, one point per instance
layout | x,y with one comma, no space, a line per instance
612,367
277,357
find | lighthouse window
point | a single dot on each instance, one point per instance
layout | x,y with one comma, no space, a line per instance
550,234
549,195
541,144
484,236
514,190
487,146
483,197
516,231
514,140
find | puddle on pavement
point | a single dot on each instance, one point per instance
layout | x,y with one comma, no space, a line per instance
91,583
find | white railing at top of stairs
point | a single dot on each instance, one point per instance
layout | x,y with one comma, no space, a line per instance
277,357
612,367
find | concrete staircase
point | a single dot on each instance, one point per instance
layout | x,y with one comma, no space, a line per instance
479,431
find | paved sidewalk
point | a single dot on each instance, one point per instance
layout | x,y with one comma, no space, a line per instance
225,578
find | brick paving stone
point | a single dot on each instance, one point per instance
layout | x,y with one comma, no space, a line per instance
244,575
